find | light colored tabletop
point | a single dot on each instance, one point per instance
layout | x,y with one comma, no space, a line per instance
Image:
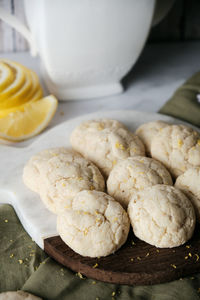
160,69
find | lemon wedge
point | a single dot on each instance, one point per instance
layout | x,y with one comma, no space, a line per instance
28,120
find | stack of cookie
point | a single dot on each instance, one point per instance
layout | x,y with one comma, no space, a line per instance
71,183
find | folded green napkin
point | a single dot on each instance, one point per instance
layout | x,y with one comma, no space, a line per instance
183,104
23,265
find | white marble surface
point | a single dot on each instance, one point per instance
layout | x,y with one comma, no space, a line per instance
35,218
159,71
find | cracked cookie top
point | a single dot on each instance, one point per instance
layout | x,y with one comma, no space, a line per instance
134,174
147,131
95,225
162,216
177,147
189,183
105,142
59,174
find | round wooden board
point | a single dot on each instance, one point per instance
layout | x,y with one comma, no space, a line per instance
136,263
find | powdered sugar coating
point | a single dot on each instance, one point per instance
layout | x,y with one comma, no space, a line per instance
134,174
104,142
61,174
96,225
147,132
189,183
18,295
177,147
162,216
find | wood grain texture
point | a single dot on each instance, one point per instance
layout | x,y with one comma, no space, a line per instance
6,32
10,40
20,44
135,263
182,23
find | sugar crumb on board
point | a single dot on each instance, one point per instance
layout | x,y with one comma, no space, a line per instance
80,275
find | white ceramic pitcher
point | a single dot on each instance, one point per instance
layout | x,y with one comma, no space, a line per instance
86,46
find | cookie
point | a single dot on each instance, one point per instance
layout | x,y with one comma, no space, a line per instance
162,216
31,171
147,131
96,225
104,142
189,183
134,174
61,174
177,147
19,295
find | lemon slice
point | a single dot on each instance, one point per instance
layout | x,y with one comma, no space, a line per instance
18,82
25,93
6,76
20,96
36,90
38,94
35,93
28,120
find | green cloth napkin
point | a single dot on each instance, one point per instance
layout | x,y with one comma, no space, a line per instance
183,104
23,265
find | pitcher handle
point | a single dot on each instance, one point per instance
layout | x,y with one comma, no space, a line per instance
20,27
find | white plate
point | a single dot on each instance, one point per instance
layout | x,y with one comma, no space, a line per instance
36,219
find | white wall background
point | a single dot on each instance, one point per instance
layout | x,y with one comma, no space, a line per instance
10,40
